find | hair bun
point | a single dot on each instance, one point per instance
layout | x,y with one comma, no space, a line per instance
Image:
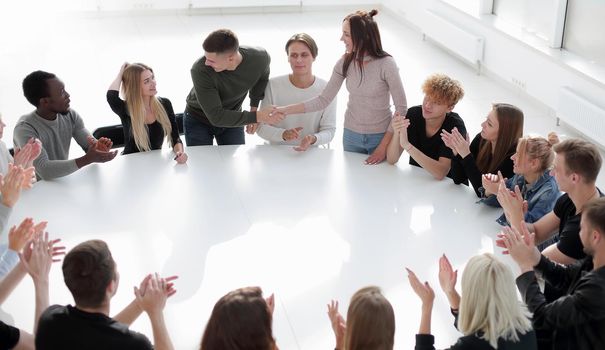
373,13
553,138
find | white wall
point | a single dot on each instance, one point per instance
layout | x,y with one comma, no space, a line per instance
542,72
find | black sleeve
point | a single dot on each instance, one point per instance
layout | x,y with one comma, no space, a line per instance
469,165
174,133
118,106
9,336
583,305
569,239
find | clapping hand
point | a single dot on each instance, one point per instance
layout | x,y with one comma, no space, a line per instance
456,142
339,326
491,182
305,143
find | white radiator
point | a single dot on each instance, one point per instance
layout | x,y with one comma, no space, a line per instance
454,38
581,113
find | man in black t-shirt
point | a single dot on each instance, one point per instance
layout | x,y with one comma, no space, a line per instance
576,167
419,133
91,276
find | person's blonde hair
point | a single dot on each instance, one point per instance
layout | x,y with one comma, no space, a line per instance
489,303
537,147
370,321
442,89
131,88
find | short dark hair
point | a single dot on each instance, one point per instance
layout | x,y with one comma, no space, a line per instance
305,39
221,41
35,86
240,320
581,157
594,212
87,270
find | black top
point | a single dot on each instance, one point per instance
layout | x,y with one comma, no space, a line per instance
154,130
66,327
526,341
569,227
9,336
465,169
576,321
432,146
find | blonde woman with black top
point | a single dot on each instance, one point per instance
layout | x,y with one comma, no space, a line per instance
147,119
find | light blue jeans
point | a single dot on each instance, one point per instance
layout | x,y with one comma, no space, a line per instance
360,143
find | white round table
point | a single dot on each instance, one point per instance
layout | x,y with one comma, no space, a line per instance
308,227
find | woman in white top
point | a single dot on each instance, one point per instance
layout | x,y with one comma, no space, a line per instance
302,130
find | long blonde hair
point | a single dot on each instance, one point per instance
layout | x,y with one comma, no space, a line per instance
131,88
370,321
489,302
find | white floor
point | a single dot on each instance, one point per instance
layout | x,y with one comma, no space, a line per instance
86,52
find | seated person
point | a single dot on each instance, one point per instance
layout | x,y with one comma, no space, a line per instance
491,150
147,120
370,322
23,156
576,167
54,124
301,130
488,313
36,260
10,190
241,320
575,320
419,132
91,276
532,163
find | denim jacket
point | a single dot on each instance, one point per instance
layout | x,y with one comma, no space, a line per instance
540,197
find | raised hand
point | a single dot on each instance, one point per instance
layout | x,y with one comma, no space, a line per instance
520,244
11,185
152,297
271,303
305,143
19,236
400,125
512,203
339,326
104,144
26,155
491,182
447,275
457,142
39,259
291,134
423,290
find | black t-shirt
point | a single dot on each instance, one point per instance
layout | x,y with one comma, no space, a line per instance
9,336
154,130
66,327
569,227
433,146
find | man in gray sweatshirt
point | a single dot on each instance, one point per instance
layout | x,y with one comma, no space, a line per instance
54,124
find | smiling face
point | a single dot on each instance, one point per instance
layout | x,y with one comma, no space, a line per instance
148,85
346,36
489,127
300,58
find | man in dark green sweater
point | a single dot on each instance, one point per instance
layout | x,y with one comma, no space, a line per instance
221,80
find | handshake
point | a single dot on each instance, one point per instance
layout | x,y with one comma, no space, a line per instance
271,116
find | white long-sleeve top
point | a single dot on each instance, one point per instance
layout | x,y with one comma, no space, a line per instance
322,123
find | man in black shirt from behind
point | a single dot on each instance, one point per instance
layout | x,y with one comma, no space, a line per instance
575,320
90,274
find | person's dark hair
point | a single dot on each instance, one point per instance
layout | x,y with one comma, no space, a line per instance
221,41
87,270
510,130
240,320
594,213
365,38
305,39
35,86
581,157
